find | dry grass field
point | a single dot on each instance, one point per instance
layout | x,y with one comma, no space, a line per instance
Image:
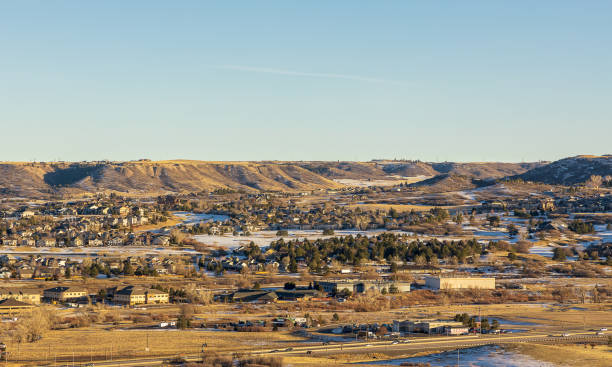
568,355
102,344
172,221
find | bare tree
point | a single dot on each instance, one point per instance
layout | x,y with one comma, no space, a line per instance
187,310
594,181
33,325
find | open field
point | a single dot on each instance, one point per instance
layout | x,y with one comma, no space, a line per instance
387,181
102,344
567,355
172,221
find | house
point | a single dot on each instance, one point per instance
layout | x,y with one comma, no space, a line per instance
161,241
26,214
9,242
28,242
96,242
46,242
134,295
64,293
124,211
25,273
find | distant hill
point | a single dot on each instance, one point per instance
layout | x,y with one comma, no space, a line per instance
42,179
383,169
451,182
569,171
34,180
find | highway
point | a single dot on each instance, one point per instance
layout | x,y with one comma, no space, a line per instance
420,344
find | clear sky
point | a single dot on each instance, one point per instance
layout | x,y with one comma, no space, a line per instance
305,80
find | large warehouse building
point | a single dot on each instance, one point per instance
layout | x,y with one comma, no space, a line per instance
459,283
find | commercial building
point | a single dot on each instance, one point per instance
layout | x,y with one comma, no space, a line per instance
438,283
362,286
10,307
31,296
63,294
448,327
134,295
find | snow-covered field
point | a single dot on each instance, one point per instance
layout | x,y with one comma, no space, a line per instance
393,180
545,251
485,356
263,238
193,218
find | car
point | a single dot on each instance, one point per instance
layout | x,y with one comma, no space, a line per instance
288,349
395,342
565,335
603,329
600,333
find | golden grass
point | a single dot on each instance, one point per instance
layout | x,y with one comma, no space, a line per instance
568,355
171,222
98,344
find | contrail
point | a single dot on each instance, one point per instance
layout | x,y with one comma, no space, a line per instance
307,74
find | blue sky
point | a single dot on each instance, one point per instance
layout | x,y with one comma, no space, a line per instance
305,80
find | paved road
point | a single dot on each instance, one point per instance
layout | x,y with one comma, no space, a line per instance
442,343
388,348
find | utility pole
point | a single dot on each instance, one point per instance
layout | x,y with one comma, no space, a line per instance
457,357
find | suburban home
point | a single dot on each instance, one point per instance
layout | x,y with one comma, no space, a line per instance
9,242
28,242
124,211
27,214
46,242
26,273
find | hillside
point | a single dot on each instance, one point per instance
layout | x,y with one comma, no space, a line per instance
34,180
383,169
42,179
570,171
451,182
